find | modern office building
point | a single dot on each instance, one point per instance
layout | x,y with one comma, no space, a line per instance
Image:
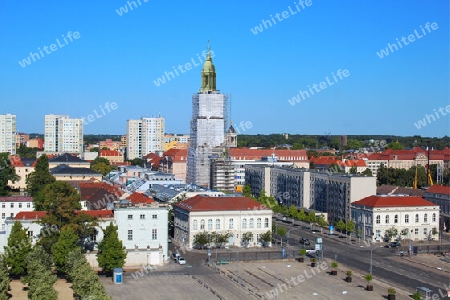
63,134
327,192
144,136
208,125
8,133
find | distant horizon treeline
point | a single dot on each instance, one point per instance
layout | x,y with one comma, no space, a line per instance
300,141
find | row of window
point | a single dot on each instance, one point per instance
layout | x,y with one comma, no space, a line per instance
154,234
416,232
142,217
425,218
20,205
231,224
4,215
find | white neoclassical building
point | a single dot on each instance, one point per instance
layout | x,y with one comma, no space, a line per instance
233,215
413,217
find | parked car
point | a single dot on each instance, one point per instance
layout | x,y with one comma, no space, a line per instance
169,240
175,257
393,245
305,241
181,260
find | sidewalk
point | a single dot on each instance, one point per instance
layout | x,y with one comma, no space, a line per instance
437,262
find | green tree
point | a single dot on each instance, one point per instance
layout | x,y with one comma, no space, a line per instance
302,215
246,238
367,172
111,253
40,278
40,177
350,227
86,283
19,246
25,152
281,231
266,237
7,172
102,168
66,243
311,217
394,146
35,259
352,170
94,149
247,191
136,162
74,260
4,279
201,239
340,225
293,211
321,221
391,232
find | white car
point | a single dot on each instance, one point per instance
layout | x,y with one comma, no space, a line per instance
181,260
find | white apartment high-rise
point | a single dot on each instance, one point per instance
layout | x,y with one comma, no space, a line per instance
63,134
144,136
8,133
208,126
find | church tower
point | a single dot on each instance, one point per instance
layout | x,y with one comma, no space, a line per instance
208,126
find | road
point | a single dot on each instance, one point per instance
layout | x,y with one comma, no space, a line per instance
387,265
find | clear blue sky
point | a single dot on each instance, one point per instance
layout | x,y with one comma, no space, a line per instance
117,58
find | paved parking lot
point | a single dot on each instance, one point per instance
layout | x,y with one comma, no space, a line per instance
290,280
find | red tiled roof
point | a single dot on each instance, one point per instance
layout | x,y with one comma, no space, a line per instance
109,153
30,215
97,213
393,201
439,189
139,198
390,154
202,203
257,154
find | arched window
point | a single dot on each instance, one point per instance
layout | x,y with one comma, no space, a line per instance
378,219
258,223
434,217
396,219
425,218
406,218
202,224
217,223
195,224
387,219
244,223
230,224
417,218
251,223
210,224
266,223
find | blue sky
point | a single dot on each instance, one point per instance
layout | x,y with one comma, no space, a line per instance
118,58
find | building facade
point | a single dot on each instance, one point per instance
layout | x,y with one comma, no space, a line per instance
234,216
144,136
440,195
222,175
327,192
8,133
63,134
398,216
10,207
208,125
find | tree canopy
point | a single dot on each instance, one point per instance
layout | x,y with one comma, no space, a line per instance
66,243
40,177
111,253
19,246
7,172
